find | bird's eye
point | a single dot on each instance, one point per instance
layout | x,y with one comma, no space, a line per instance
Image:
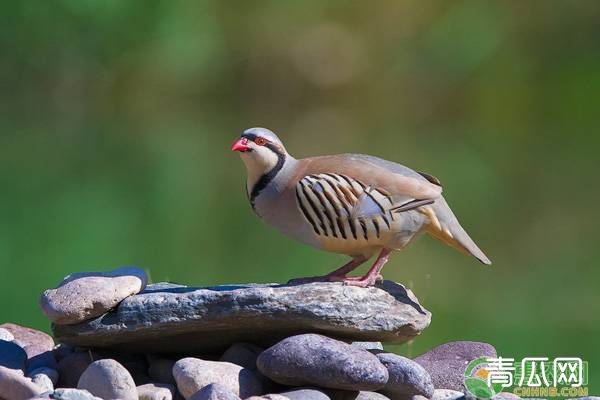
260,141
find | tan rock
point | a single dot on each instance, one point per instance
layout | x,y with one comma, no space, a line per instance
86,295
193,374
15,386
27,336
156,391
109,380
215,391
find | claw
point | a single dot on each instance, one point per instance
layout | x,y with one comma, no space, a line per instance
378,278
360,282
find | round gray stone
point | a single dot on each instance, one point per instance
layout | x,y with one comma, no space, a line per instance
193,374
156,391
26,336
86,295
15,386
109,380
136,364
12,355
312,359
215,391
446,363
406,377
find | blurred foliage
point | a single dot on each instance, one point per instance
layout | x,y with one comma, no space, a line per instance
117,118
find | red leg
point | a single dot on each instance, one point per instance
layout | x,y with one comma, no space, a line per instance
374,274
334,276
348,267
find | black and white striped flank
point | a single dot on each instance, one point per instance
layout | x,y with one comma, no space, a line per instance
338,206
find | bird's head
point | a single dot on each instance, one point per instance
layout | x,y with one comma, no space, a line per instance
260,150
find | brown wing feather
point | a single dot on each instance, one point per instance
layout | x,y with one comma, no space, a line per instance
371,174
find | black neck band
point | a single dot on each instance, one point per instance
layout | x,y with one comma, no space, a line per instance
265,179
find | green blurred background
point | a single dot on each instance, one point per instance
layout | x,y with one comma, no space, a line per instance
117,117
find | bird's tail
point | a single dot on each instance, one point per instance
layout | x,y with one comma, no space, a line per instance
446,228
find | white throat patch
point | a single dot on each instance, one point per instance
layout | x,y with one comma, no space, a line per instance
258,162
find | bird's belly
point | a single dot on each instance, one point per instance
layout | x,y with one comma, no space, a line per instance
369,239
358,236
350,247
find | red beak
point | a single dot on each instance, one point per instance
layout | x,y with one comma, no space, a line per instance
240,145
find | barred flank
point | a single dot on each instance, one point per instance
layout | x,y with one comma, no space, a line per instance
327,202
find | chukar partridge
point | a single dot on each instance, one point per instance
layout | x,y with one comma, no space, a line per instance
352,204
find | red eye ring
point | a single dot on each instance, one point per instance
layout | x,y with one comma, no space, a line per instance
260,141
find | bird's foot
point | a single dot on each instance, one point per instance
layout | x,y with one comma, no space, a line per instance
362,281
378,278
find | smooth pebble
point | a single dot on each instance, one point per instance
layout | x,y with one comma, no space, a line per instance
316,360
406,377
86,295
193,374
109,380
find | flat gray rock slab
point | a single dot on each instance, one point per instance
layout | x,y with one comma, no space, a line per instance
168,318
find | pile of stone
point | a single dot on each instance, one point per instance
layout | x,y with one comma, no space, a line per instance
122,338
